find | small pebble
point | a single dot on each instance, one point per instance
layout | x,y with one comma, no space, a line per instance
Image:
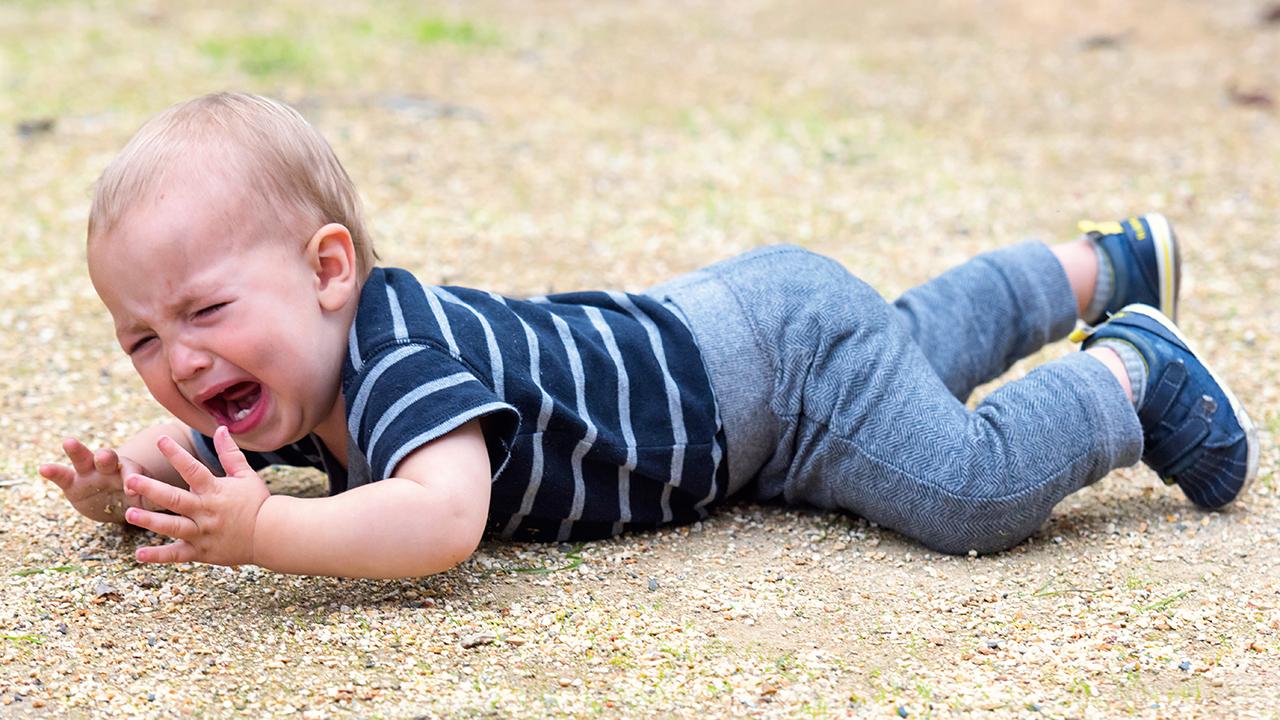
902,711
102,588
1185,665
653,584
484,638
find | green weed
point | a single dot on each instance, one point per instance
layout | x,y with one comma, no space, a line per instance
1166,602
436,30
259,55
575,559
54,568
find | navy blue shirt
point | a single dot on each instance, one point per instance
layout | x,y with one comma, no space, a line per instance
596,407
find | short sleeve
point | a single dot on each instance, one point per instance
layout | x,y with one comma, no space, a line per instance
292,455
409,395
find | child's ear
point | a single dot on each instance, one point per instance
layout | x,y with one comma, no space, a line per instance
332,257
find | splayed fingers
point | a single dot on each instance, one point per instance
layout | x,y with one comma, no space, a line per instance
106,461
59,475
80,456
198,477
229,454
178,552
175,526
163,495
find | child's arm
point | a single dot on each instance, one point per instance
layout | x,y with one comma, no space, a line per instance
426,519
94,482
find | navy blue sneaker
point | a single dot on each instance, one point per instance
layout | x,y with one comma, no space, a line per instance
1195,432
1144,255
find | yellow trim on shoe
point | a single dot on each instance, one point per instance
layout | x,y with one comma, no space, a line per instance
1109,227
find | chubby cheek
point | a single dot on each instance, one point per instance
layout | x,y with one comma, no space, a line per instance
160,385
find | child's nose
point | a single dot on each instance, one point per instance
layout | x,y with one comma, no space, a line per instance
185,361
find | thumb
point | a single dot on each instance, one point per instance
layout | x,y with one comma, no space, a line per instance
229,454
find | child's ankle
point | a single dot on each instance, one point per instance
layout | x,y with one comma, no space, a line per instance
1109,355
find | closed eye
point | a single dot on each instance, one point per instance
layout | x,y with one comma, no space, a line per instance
140,343
209,310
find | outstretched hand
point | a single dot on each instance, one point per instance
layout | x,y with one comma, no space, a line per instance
213,522
94,482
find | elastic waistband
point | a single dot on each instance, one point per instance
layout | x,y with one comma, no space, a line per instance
737,364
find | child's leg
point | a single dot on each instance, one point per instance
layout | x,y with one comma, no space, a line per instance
842,409
974,321
870,428
879,434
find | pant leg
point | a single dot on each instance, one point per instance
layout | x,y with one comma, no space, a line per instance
862,422
977,319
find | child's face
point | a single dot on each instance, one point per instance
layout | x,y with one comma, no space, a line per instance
224,323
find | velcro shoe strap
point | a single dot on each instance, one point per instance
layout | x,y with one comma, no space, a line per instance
1161,395
1177,451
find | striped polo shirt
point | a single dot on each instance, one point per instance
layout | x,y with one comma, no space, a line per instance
597,410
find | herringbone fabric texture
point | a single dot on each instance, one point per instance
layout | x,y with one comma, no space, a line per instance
832,397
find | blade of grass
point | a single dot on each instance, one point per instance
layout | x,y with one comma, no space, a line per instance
55,568
1041,591
1162,604
575,559
33,639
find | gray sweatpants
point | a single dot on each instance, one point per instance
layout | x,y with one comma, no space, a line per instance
832,397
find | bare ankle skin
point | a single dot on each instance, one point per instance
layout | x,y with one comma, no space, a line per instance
1080,261
1108,357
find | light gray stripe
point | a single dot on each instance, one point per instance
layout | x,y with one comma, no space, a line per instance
366,385
579,488
411,397
680,436
666,502
397,316
716,456
495,354
544,417
353,348
442,429
530,489
438,310
579,451
624,413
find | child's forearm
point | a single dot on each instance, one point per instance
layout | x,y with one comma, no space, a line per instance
141,448
389,529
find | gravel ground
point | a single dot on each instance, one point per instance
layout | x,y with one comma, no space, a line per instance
535,147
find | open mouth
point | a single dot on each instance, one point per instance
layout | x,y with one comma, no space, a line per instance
239,407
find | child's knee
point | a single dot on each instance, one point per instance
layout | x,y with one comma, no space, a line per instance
981,542
982,529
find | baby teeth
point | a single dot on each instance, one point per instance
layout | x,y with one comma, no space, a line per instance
241,414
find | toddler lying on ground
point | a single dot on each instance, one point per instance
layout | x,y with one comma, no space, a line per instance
227,243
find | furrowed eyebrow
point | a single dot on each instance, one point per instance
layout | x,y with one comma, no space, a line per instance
179,305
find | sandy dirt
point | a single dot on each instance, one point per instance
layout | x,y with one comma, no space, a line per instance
532,147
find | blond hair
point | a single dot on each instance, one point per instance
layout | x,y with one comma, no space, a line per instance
282,160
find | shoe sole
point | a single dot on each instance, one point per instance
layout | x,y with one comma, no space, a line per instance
1168,262
1242,417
